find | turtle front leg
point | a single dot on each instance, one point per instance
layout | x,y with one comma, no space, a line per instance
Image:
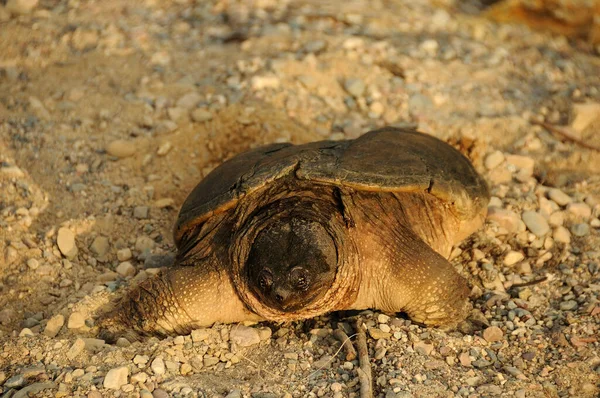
413,278
175,301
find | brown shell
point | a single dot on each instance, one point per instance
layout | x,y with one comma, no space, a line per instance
389,159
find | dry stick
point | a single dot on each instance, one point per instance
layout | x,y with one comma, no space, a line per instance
346,343
567,133
364,371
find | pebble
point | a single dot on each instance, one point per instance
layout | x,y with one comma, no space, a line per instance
124,254
76,321
158,366
494,160
189,100
568,305
120,149
164,148
507,219
100,246
377,334
65,241
159,393
76,349
33,263
146,394
423,348
11,171
177,114
201,115
580,229
581,210
264,82
126,269
355,87
166,126
15,382
54,325
562,235
21,7
244,336
513,257
140,212
558,196
492,334
116,377
536,223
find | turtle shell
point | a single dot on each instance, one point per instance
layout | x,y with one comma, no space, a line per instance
386,160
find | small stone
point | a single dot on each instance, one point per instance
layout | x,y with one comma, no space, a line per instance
513,257
585,115
377,334
94,345
76,321
116,377
557,218
580,230
140,212
177,114
139,377
26,332
580,210
166,126
493,334
382,318
100,246
509,220
385,328
558,196
120,149
144,243
264,333
158,366
525,164
141,359
568,305
244,336
21,7
210,361
15,382
146,394
494,160
189,100
54,325
423,348
186,368
76,349
124,254
355,87
264,82
464,359
32,263
126,269
11,171
65,241
536,223
201,115
164,148
160,58
562,235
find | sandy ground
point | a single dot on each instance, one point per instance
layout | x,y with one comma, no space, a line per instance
111,112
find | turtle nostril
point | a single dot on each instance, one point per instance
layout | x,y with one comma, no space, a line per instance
279,298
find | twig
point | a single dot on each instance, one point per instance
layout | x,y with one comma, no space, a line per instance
364,371
346,343
531,283
566,132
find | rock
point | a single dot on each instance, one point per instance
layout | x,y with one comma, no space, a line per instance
264,333
94,345
166,126
177,114
264,82
568,305
15,382
124,254
585,114
382,318
189,100
562,235
84,39
377,334
185,369
464,359
116,377
120,149
33,263
100,246
140,212
492,334
201,115
126,269
164,148
580,230
580,210
355,87
523,163
54,325
158,366
513,257
244,336
76,321
76,349
159,260
494,160
536,223
509,220
158,393
65,241
423,348
11,171
558,196
21,7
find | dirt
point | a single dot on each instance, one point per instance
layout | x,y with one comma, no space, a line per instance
188,84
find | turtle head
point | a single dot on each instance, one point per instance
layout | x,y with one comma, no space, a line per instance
292,263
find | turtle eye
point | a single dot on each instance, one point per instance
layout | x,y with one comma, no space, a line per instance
265,280
300,278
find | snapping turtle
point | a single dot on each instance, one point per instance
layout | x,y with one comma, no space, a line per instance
287,232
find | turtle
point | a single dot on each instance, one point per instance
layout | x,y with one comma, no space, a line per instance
287,232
